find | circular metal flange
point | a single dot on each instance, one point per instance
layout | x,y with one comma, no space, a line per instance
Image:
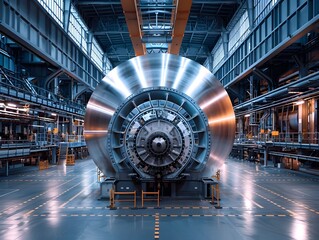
159,128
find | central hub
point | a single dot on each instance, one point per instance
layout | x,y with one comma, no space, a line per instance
159,145
158,142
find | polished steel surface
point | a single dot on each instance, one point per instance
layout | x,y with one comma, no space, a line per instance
257,203
160,70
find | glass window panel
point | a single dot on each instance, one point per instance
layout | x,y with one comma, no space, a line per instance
239,33
218,56
78,30
54,8
262,8
97,54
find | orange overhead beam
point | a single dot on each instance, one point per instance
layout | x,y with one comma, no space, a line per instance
133,21
179,21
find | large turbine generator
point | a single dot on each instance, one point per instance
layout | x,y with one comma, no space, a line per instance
159,120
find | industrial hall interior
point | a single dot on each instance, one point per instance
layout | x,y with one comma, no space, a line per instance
159,119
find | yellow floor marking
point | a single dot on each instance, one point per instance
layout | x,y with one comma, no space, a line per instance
28,213
156,229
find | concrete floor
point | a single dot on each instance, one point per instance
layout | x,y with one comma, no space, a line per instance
258,203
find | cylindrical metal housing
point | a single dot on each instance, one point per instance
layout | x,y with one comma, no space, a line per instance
159,115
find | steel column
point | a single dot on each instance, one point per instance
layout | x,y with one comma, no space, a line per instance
225,40
66,14
89,43
251,15
266,157
7,168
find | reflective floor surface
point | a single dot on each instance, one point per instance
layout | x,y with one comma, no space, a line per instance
257,203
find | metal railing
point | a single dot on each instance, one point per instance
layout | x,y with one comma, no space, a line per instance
22,89
292,137
75,140
15,148
41,140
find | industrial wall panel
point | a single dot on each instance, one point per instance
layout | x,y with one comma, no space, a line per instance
287,22
27,23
